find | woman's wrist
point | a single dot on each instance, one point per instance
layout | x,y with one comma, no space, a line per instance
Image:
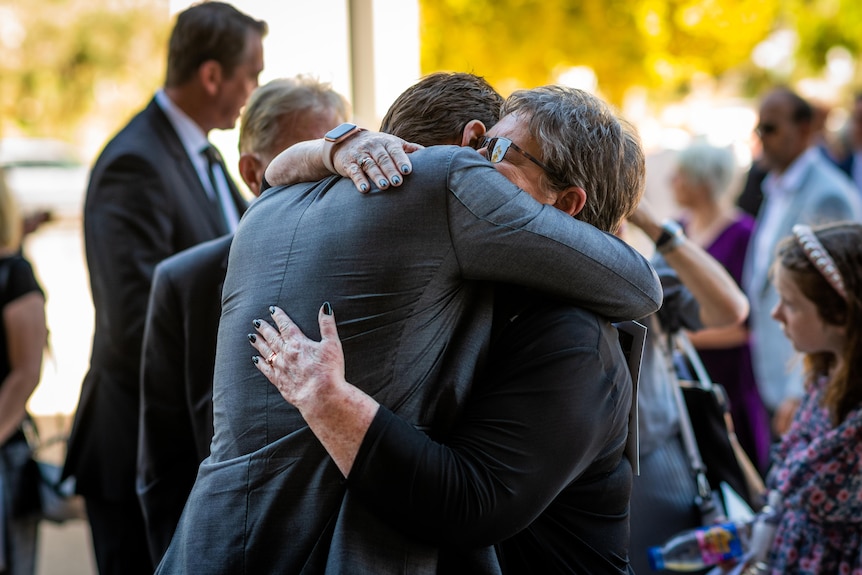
670,237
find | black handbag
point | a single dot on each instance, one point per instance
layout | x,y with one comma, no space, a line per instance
706,418
20,479
56,500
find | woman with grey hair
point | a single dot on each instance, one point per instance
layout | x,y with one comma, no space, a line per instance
700,184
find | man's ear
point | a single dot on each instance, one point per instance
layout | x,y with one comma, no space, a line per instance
251,171
210,76
571,200
474,130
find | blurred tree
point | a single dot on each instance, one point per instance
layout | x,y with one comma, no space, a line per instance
661,45
823,25
73,66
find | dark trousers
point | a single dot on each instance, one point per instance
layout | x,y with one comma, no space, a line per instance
119,537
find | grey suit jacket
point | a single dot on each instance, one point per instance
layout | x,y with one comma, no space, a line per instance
144,203
403,270
824,195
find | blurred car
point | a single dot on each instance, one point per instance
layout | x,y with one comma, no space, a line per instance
45,175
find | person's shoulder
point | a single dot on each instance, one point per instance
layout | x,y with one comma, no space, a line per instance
533,314
189,261
741,224
272,203
137,137
19,276
829,177
450,157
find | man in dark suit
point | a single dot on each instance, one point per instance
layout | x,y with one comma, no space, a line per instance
268,499
185,304
157,188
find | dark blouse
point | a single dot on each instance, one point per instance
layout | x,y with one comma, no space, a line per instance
16,280
535,463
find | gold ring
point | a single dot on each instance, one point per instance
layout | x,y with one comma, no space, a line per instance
271,357
365,161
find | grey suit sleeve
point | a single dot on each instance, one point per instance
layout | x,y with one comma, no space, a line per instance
501,233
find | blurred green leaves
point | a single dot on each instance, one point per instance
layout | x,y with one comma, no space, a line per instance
68,66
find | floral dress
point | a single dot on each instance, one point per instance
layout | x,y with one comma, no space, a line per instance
817,469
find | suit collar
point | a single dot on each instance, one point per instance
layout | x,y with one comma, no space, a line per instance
192,136
194,140
791,179
186,169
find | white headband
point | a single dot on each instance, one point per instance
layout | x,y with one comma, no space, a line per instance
819,257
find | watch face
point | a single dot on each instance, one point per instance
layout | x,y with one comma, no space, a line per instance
339,131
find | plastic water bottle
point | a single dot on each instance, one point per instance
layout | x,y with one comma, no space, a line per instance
695,549
763,533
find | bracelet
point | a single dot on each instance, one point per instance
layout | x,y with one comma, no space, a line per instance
672,236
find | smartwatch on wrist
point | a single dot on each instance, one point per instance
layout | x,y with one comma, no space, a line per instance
336,136
671,237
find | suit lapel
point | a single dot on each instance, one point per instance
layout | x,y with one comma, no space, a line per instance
206,207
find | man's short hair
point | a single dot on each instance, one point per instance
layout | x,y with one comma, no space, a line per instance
584,144
209,31
435,110
278,101
800,109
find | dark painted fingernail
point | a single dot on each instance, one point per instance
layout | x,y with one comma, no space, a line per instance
327,309
382,183
252,338
255,358
363,187
271,309
405,169
396,180
256,323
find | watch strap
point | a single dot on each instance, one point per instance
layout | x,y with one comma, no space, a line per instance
329,144
672,236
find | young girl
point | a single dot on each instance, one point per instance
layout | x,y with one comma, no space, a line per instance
817,467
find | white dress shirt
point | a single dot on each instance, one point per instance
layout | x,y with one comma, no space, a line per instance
777,192
195,141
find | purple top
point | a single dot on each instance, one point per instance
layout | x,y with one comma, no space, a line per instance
731,367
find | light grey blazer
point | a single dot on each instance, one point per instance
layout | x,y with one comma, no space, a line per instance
825,194
403,270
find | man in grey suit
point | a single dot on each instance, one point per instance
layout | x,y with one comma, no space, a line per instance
157,188
185,304
404,267
802,187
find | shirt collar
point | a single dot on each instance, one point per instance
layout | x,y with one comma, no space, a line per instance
792,176
193,138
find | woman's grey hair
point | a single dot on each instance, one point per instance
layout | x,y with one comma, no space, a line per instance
584,144
708,165
284,98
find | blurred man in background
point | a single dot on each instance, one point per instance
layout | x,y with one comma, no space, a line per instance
802,187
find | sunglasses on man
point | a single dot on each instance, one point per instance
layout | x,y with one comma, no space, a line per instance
765,129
